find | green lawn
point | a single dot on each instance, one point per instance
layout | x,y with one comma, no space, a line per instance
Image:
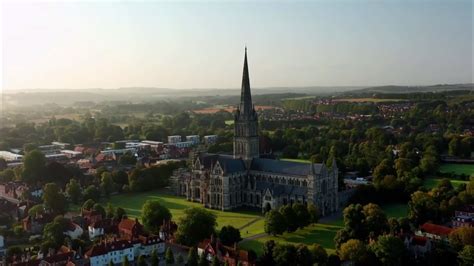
132,203
430,183
229,122
322,234
467,169
395,210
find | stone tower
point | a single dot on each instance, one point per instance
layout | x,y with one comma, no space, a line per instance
246,121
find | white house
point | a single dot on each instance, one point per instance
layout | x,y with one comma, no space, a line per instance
74,231
113,251
95,230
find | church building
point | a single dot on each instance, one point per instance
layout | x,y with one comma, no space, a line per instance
226,182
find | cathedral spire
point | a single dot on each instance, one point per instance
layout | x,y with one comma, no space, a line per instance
245,96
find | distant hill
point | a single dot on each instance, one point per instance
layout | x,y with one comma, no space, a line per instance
412,89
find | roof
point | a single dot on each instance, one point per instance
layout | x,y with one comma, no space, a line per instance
104,248
278,189
419,240
128,224
436,229
228,163
284,167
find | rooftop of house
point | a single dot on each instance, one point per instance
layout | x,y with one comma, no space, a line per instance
436,229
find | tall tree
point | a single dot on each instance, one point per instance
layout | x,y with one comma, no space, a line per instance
153,214
73,190
195,225
229,235
54,199
275,223
390,250
34,166
192,257
169,256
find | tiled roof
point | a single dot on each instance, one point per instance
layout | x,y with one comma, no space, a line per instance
228,163
436,229
284,167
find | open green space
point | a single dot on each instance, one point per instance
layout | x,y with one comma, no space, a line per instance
229,122
430,183
396,210
133,202
467,169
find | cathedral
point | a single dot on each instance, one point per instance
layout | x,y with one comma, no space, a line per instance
226,182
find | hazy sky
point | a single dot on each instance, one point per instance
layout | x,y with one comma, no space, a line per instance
200,44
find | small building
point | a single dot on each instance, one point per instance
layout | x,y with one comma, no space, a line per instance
434,232
113,251
153,144
174,139
73,230
210,139
231,255
193,138
129,228
462,221
467,210
418,245
10,156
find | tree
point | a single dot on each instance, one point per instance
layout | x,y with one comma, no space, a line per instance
203,260
54,199
107,184
353,250
289,216
375,219
422,208
215,261
461,237
466,256
110,211
284,254
119,213
34,166
192,257
155,260
120,178
402,165
195,225
53,232
98,208
180,259
275,223
36,210
125,261
354,221
267,254
229,235
382,169
169,256
73,190
88,204
303,255
142,261
153,214
127,159
302,215
318,254
454,148
390,250
314,213
91,192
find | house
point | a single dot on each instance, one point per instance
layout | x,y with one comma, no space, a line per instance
418,245
91,216
129,228
467,210
73,230
149,243
231,255
54,257
96,229
462,221
35,224
113,251
434,232
167,230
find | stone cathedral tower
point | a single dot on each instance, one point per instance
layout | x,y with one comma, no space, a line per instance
246,121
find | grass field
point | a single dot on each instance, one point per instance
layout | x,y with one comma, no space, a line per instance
433,182
360,100
229,122
321,233
132,203
467,169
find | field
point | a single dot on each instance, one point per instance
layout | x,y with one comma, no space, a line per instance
322,233
433,182
244,220
467,169
361,100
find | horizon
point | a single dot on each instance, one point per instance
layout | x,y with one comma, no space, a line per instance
83,45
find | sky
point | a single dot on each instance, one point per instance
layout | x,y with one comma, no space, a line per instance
200,44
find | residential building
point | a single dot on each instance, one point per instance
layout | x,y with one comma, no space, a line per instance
434,232
174,139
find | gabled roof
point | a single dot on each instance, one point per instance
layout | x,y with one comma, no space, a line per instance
228,163
284,167
436,229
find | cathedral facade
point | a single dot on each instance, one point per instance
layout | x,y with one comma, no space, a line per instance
226,182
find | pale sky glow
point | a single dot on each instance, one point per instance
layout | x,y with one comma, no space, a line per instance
200,44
